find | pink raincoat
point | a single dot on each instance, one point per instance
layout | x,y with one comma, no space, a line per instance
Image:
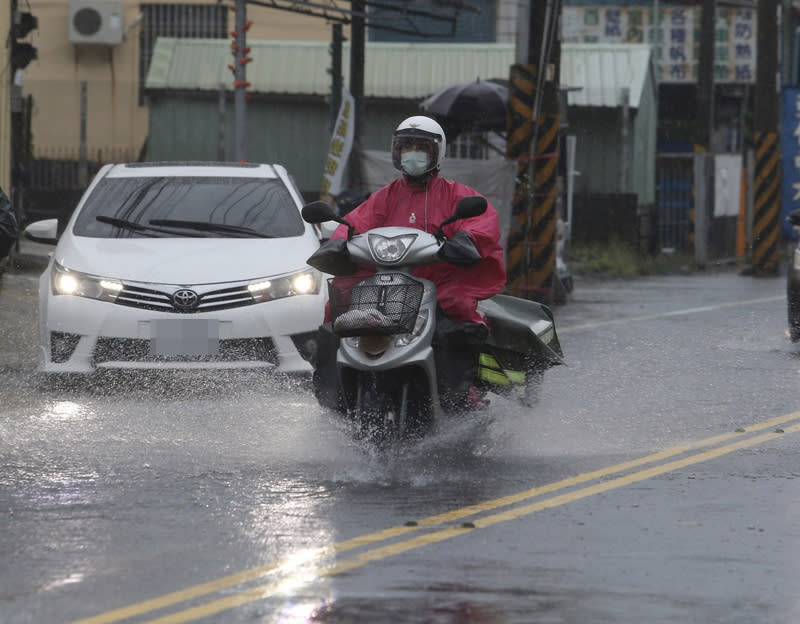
404,203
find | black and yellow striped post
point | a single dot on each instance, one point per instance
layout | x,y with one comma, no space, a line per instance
766,204
545,196
522,85
766,124
530,247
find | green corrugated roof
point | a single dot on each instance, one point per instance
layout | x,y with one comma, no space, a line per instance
392,70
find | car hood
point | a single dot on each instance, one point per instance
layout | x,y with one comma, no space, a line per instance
185,260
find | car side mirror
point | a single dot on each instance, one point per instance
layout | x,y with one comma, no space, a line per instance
794,217
45,231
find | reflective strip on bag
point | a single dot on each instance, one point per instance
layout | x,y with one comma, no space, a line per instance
491,372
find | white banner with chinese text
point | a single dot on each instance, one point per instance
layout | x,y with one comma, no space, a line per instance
340,146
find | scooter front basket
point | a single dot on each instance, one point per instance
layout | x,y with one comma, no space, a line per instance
384,303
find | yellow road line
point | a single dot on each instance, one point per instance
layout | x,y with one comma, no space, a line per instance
259,593
457,514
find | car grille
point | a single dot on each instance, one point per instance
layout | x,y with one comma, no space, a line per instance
159,297
138,350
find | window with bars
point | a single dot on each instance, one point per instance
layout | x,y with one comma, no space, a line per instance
202,21
471,145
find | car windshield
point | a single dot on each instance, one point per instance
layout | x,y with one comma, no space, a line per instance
177,205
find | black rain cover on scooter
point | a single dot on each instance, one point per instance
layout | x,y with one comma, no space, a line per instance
8,225
333,258
456,347
460,250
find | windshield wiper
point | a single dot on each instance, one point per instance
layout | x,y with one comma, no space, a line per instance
210,227
136,227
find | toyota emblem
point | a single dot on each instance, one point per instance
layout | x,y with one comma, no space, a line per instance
185,299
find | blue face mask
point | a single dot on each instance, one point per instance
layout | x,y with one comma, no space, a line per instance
414,163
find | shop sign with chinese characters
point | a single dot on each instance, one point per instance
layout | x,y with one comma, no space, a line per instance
675,39
340,146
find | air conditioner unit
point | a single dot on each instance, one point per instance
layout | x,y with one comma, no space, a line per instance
95,21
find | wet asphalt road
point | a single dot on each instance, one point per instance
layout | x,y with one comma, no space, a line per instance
245,497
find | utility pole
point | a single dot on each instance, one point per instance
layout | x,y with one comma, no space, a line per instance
336,71
357,44
766,201
704,158
705,76
533,142
240,51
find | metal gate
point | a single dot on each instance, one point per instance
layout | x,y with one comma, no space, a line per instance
675,201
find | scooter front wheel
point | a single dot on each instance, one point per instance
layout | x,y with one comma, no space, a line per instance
380,418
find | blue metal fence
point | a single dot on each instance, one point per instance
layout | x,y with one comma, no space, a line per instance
675,201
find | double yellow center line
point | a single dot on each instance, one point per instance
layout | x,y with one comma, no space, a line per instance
684,455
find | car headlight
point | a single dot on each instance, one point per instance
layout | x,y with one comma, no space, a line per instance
390,249
303,283
66,282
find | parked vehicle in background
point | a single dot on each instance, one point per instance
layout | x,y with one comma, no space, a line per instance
181,265
793,283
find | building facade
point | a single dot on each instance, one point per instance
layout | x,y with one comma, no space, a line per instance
112,61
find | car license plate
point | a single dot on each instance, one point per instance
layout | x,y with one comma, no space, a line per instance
184,337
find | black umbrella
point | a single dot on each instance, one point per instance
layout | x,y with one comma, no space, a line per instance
470,105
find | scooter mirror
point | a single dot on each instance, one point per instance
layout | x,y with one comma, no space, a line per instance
470,206
319,212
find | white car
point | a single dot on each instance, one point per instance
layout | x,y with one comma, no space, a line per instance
181,265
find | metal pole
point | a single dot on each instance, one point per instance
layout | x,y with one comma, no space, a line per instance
625,159
751,174
705,76
83,165
357,54
523,34
221,126
240,82
336,72
702,162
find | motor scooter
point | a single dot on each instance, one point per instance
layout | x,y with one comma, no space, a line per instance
383,326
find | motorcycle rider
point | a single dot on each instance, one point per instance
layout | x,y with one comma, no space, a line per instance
422,199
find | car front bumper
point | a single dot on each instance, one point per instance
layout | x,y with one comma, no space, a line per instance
80,335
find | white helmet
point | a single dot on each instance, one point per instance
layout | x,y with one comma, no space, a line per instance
415,130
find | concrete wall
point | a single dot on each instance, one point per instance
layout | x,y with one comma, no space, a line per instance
294,132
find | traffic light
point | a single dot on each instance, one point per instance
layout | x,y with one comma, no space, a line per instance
23,53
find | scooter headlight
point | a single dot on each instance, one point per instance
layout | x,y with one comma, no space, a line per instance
419,327
390,249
